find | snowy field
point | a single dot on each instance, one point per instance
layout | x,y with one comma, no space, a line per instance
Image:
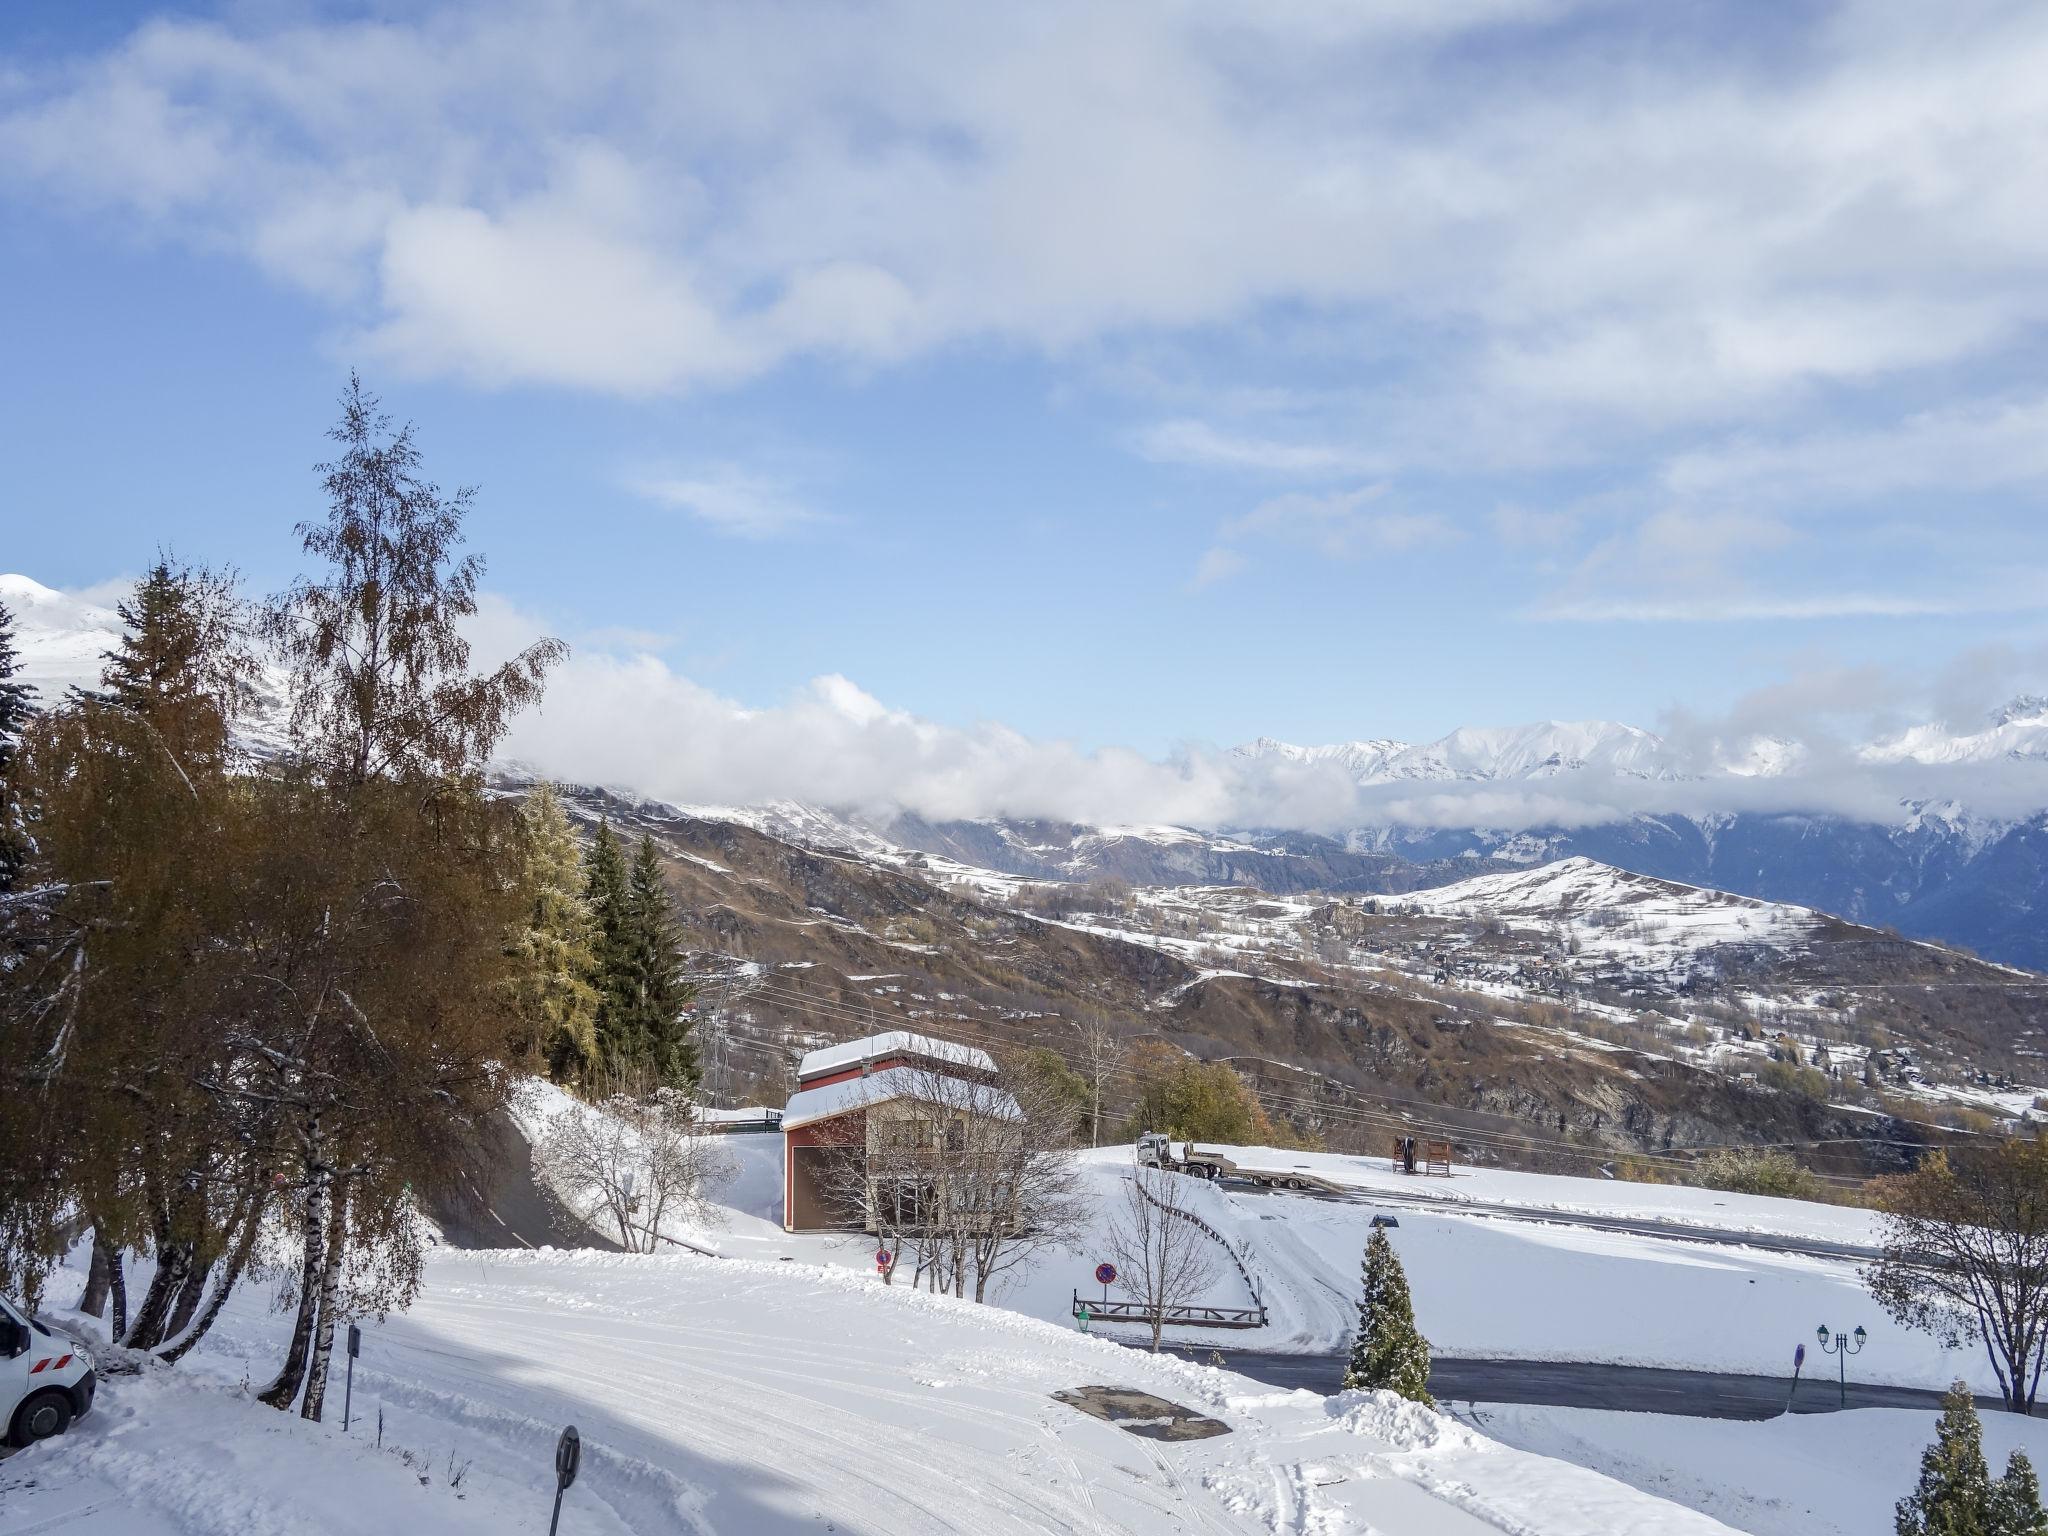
1807,1475
1483,1286
726,1397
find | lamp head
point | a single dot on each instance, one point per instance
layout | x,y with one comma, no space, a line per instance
1859,1337
1821,1333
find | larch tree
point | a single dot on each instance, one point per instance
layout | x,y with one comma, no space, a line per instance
381,920
1388,1353
553,949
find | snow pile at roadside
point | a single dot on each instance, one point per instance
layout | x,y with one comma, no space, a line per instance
1805,1475
725,1396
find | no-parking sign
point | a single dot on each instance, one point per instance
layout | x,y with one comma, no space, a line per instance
1105,1274
884,1258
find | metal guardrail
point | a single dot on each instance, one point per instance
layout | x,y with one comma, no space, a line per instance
1187,1317
1256,1311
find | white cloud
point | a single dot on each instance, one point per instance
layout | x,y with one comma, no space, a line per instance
1340,524
731,501
1199,444
634,722
1216,565
1539,229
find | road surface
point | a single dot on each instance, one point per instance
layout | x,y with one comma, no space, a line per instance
1640,1226
503,1206
1579,1384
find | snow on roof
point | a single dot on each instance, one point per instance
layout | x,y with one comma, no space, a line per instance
895,1042
812,1104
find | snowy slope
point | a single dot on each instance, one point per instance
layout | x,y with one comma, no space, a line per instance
1628,916
60,637
1482,1286
1806,1475
722,1397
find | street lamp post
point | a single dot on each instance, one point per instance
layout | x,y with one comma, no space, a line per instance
1842,1349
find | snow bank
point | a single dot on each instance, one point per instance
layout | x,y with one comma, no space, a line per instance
1806,1475
728,1396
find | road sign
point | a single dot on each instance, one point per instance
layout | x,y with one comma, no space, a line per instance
1106,1274
568,1452
348,1391
884,1258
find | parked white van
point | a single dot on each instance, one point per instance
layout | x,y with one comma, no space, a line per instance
46,1380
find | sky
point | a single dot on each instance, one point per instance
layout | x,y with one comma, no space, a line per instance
1096,377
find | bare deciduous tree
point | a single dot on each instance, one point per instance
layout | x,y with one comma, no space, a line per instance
1163,1259
1965,1254
635,1165
1101,1060
962,1174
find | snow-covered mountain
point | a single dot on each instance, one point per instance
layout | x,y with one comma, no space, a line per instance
61,637
1940,867
1536,751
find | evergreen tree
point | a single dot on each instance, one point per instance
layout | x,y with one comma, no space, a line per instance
660,995
181,646
604,890
1388,1353
17,704
1954,1497
2016,1500
553,948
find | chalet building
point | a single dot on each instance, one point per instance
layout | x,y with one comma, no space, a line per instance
869,1125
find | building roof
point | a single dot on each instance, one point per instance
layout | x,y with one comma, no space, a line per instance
814,1104
895,1042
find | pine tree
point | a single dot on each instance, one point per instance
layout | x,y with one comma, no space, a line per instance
1954,1497
1388,1353
660,995
17,704
554,948
604,889
2016,1501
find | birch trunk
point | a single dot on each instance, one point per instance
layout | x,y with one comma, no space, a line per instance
284,1391
117,1290
99,1279
230,1273
174,1263
330,1278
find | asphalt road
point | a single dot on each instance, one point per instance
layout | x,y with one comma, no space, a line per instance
503,1206
1577,1384
1640,1226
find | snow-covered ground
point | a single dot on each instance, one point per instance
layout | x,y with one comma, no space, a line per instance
1836,1474
1483,1286
722,1396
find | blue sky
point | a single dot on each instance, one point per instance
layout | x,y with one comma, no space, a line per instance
1129,376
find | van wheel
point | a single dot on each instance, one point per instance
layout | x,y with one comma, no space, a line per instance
44,1415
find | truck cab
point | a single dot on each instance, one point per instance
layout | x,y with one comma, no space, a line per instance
46,1379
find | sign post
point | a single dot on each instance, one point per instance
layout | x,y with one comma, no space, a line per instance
1798,1360
884,1262
1106,1273
348,1391
568,1452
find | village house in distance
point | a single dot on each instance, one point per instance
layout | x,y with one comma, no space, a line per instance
876,1114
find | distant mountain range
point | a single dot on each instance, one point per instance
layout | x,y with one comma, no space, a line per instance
1944,868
